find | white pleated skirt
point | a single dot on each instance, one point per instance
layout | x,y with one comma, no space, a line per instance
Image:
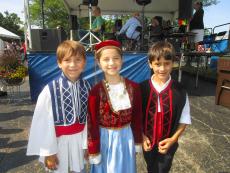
74,160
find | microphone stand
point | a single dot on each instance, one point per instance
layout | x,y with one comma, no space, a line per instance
90,34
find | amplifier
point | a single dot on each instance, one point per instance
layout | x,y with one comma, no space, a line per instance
47,39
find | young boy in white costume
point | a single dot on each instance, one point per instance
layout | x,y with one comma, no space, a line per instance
58,132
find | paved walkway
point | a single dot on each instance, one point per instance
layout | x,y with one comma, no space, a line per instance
204,147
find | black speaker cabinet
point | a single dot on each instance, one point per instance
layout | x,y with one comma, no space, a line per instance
92,2
46,39
73,22
143,2
185,9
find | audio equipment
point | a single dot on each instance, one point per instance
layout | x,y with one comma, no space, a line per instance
47,39
92,2
73,22
185,9
143,2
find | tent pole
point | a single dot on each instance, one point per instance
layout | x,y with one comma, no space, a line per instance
27,25
43,21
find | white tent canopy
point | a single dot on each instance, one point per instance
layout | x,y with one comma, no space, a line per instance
7,34
168,9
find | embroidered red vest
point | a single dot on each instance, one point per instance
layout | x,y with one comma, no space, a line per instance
110,118
101,114
161,125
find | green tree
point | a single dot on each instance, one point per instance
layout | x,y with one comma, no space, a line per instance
55,14
11,22
210,2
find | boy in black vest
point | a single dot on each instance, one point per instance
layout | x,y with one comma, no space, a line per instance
166,110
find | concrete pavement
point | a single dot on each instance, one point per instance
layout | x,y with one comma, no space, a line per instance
204,147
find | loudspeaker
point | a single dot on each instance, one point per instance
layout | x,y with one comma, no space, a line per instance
46,39
92,2
185,9
143,2
73,22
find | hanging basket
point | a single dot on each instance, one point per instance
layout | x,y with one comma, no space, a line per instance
13,81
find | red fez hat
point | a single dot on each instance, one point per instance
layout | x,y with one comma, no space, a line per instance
107,43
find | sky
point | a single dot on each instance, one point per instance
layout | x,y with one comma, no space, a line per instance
217,14
13,6
213,15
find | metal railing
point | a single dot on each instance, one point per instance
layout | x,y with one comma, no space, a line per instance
213,30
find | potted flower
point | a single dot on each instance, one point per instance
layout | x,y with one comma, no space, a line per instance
12,71
15,76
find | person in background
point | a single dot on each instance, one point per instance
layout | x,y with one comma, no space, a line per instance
58,132
166,110
196,24
23,52
98,22
155,29
115,115
128,30
97,26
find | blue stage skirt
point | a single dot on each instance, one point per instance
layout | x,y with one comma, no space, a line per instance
117,151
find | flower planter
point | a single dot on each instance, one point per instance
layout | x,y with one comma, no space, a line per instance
13,81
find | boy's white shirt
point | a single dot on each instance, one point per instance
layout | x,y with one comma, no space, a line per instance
185,115
42,137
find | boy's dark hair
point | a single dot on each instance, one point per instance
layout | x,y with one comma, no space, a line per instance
70,48
161,49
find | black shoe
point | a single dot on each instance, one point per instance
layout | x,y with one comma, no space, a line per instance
3,93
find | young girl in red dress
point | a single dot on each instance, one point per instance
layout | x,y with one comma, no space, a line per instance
115,115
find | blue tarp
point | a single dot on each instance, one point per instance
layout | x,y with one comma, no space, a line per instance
43,68
216,46
220,46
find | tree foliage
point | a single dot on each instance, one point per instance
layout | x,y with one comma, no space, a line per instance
11,22
210,2
55,14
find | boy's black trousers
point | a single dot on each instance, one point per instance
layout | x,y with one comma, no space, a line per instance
157,162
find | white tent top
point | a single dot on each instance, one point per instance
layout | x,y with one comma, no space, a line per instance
166,8
7,34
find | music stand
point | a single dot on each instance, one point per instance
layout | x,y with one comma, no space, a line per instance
89,34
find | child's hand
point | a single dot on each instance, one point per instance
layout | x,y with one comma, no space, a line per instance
86,155
146,143
51,162
164,145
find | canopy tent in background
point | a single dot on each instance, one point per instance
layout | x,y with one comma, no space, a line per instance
7,34
43,67
168,9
